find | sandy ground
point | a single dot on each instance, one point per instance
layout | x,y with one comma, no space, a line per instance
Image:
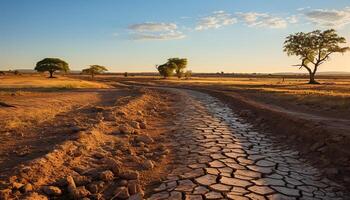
116,142
319,130
53,134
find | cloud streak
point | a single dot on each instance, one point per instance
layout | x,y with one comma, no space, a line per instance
254,19
155,31
216,20
329,18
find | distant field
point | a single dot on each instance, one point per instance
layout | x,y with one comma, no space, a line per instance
40,81
330,98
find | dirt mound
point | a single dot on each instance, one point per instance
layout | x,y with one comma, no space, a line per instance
111,159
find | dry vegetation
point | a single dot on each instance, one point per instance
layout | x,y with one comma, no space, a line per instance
56,134
74,128
331,97
41,81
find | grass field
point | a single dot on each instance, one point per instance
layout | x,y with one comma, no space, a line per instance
40,81
331,97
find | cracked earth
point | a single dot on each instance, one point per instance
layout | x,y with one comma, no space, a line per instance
220,156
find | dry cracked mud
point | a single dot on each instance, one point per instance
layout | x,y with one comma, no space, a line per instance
219,156
169,144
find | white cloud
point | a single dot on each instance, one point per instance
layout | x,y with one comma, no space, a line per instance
329,18
152,27
303,8
216,20
155,31
262,20
293,19
172,35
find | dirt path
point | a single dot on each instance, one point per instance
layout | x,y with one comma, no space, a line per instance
117,146
219,156
48,122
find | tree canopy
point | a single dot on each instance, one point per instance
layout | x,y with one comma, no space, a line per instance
180,64
51,65
94,69
166,70
314,48
173,64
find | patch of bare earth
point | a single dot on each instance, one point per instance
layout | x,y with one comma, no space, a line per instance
109,144
322,140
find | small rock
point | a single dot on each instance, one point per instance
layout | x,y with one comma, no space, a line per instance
143,125
81,180
113,165
27,188
107,175
80,192
144,138
122,182
16,185
121,193
148,164
99,155
71,185
134,187
95,187
52,190
123,129
129,175
135,124
121,113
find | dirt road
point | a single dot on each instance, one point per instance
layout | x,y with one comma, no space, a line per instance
219,156
157,143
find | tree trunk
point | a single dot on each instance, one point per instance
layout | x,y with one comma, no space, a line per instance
51,74
92,76
312,79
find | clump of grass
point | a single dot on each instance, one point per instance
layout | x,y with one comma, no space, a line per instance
14,123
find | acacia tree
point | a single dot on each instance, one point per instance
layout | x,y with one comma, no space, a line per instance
173,64
180,64
314,48
94,69
51,65
166,70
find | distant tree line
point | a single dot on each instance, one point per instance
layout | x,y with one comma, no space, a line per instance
313,49
52,65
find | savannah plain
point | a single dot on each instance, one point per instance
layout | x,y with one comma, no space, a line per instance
138,136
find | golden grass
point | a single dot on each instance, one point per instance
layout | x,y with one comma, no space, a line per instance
331,93
36,81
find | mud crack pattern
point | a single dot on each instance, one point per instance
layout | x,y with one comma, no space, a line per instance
218,156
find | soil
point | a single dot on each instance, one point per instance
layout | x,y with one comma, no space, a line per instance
120,143
317,137
82,132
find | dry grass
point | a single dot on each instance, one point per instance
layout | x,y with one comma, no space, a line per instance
330,94
38,81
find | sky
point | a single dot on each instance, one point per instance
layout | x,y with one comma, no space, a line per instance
241,36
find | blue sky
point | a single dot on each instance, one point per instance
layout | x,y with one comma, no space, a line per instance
135,35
